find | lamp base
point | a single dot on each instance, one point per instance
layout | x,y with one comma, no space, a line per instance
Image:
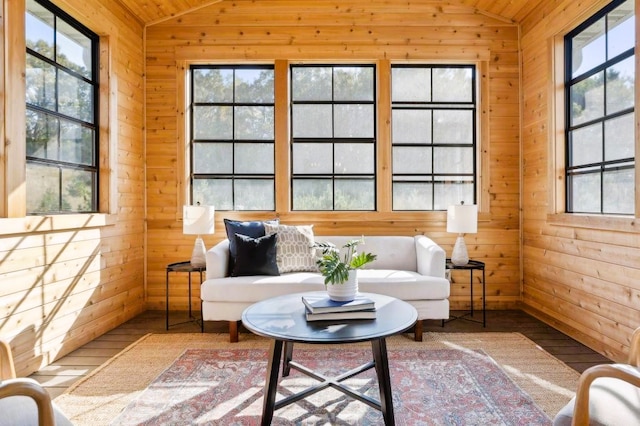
198,258
460,256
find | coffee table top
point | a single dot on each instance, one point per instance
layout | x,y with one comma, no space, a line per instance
283,318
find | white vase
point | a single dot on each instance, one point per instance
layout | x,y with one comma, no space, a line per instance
346,291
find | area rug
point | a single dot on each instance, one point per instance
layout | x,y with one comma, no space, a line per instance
450,378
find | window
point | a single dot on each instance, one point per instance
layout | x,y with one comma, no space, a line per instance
599,94
333,137
61,112
433,120
232,137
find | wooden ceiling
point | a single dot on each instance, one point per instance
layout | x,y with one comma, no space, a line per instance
154,11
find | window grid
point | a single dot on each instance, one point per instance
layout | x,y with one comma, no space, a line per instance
335,177
576,171
232,179
441,184
76,185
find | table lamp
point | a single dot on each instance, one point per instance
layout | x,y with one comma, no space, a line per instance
198,220
462,219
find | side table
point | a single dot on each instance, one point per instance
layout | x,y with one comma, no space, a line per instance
188,268
473,265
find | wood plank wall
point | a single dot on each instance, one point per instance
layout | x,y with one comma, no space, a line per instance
65,280
581,274
376,31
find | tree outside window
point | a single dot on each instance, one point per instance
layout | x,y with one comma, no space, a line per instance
600,99
61,113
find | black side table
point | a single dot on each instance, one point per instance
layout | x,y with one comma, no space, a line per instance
184,267
472,266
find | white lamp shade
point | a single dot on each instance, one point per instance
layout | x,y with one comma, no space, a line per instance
462,219
198,220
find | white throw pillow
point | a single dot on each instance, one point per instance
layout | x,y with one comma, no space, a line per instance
295,252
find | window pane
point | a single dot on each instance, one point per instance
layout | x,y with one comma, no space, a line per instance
312,194
353,121
412,196
586,192
449,193
254,122
618,191
411,160
76,143
311,83
213,85
354,158
214,192
451,126
77,190
411,126
43,188
452,85
411,84
73,49
587,99
312,158
453,160
311,121
75,97
586,145
355,194
254,194
619,138
353,83
621,27
254,158
588,49
254,85
65,134
621,85
40,83
213,122
42,135
39,29
213,158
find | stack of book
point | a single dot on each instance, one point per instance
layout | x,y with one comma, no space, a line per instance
321,308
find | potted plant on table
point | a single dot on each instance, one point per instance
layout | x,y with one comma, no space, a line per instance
339,268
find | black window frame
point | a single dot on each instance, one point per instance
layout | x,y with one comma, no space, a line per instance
439,178
596,167
94,81
334,176
233,177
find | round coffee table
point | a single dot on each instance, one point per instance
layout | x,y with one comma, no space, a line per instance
282,319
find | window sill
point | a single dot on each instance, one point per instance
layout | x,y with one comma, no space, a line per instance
605,223
37,224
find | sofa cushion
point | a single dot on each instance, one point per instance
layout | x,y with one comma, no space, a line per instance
295,247
253,229
405,285
255,256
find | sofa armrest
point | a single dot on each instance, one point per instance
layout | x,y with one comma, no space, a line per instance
218,260
431,258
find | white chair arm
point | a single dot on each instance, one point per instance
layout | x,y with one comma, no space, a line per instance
625,372
431,258
218,260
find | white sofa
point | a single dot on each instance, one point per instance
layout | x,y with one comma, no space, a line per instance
408,268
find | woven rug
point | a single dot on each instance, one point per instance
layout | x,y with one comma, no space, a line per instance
450,378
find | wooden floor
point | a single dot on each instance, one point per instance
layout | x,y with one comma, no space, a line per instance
64,372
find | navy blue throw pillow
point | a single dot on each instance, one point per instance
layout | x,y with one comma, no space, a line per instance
253,229
255,256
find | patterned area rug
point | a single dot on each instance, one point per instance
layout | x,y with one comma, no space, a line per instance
430,387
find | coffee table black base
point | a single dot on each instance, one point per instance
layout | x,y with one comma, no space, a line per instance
379,362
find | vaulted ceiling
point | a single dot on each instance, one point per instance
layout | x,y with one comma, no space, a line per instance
153,11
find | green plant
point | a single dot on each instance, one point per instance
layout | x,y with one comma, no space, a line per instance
334,267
